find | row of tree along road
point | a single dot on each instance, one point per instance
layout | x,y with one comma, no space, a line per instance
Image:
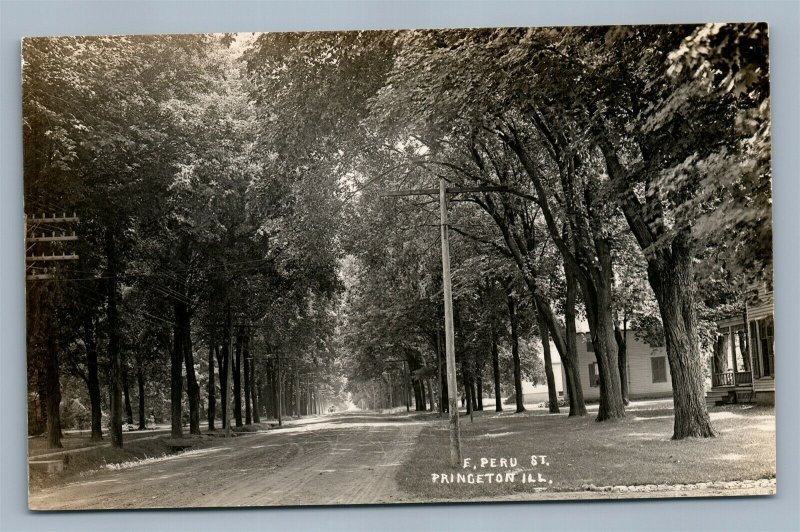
236,238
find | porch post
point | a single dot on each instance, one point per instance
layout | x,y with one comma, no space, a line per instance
749,347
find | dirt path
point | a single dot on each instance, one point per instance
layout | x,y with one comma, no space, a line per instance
324,460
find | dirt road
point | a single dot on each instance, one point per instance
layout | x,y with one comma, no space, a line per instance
337,459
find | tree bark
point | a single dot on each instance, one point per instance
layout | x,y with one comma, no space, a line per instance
192,387
552,394
223,357
126,394
273,389
597,293
587,253
670,273
672,278
512,315
479,389
498,398
569,359
622,359
237,381
92,379
248,414
254,391
467,385
141,410
211,391
53,396
176,374
112,322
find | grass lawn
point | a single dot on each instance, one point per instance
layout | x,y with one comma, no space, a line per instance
137,445
634,451
37,445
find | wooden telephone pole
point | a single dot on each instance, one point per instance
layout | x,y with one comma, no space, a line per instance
31,224
450,353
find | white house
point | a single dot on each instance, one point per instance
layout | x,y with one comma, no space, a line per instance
647,369
537,393
748,344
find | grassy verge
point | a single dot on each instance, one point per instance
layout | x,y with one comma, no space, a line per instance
136,446
37,445
633,451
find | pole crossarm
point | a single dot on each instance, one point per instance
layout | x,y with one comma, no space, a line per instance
60,238
44,219
448,190
36,258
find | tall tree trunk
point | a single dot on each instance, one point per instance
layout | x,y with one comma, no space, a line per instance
597,293
569,359
672,279
291,408
126,394
92,379
498,396
212,387
223,359
53,396
176,374
418,406
248,414
273,388
114,354
237,381
141,410
467,384
254,391
192,387
473,392
552,394
512,315
590,260
671,276
479,389
622,358
430,395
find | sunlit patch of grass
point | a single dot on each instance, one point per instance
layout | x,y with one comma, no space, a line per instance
636,450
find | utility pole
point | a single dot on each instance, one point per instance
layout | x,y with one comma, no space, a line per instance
34,238
450,353
450,337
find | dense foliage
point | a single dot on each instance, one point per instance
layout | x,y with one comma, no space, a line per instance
232,218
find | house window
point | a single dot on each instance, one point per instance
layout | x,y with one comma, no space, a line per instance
589,345
659,367
594,375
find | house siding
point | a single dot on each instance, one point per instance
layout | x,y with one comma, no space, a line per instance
640,369
762,307
538,393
